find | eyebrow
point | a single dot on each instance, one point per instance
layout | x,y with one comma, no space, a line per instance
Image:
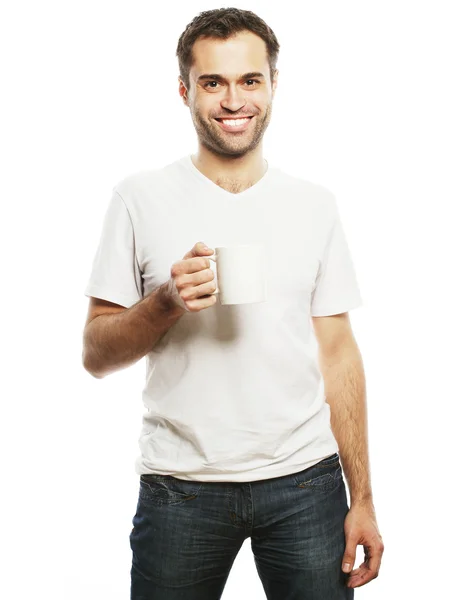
219,77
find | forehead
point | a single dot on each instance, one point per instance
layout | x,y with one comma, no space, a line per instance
243,52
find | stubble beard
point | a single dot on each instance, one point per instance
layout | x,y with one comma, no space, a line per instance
221,143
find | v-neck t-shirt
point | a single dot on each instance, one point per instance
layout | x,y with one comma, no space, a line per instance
232,392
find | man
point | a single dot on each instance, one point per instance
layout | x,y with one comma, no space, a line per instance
244,428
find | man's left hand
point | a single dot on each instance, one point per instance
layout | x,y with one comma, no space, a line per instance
360,527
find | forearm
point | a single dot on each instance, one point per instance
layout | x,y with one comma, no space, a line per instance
114,341
345,390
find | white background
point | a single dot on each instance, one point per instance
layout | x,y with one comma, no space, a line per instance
90,95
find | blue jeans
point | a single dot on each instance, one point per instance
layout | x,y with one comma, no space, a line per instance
186,535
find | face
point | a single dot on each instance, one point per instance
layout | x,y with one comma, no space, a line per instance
235,93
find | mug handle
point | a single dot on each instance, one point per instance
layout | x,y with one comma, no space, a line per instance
214,258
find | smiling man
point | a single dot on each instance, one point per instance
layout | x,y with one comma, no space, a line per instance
251,410
231,110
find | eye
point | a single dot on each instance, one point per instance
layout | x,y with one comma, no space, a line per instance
248,80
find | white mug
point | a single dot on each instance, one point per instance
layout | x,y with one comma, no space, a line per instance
241,274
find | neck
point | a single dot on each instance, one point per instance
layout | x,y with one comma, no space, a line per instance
235,172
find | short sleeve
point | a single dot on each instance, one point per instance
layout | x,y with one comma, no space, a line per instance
115,273
336,290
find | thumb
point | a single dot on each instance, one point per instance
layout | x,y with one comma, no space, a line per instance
199,249
349,555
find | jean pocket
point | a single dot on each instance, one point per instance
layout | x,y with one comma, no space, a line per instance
166,489
330,461
326,475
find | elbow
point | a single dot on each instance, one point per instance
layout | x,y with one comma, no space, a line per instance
89,368
96,375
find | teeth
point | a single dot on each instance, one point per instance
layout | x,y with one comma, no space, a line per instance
235,122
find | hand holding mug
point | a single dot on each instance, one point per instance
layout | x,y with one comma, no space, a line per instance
192,283
241,271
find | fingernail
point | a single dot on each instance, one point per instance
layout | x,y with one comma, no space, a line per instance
346,567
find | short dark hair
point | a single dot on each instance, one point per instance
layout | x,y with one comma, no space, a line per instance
223,23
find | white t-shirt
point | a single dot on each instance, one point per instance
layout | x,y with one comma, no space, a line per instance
233,392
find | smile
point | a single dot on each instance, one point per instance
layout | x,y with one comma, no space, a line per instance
234,124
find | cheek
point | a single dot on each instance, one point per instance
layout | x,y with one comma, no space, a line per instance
207,110
263,106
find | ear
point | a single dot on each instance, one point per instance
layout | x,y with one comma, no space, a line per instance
183,90
275,80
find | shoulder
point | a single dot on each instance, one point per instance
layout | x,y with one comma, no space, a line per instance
318,196
132,186
144,185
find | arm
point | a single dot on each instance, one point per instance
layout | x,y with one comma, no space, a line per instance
115,339
345,389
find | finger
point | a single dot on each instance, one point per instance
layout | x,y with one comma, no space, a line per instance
195,279
361,577
198,291
200,303
199,249
350,554
356,571
374,555
190,265
367,571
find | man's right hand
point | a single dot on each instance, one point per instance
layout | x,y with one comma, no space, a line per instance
191,285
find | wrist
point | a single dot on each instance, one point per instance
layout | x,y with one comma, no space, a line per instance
361,499
168,300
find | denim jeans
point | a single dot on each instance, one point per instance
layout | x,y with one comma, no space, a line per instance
186,535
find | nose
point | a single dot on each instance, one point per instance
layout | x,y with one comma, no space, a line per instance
233,100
